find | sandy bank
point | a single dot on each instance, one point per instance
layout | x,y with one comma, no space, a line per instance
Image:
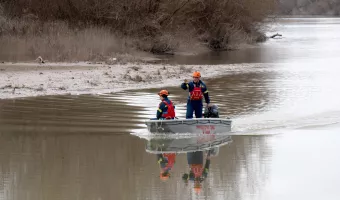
31,79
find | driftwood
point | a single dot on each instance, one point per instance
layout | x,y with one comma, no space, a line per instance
276,35
40,60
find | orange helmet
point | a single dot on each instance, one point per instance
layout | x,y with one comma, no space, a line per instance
163,92
196,74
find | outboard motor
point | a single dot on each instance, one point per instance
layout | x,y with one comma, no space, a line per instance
211,112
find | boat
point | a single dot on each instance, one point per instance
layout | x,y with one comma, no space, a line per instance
210,124
196,125
157,145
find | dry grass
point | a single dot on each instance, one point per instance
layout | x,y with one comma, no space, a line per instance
57,42
74,29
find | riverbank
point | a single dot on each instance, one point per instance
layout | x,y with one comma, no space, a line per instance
30,79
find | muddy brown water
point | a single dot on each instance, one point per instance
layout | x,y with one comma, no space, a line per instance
286,115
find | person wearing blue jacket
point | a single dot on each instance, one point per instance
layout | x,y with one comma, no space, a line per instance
197,90
166,109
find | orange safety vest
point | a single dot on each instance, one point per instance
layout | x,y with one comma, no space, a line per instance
170,114
196,93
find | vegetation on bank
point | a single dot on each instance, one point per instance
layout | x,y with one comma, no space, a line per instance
65,30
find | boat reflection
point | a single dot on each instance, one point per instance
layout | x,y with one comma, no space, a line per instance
185,144
198,149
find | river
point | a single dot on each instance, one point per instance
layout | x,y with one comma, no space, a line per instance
285,142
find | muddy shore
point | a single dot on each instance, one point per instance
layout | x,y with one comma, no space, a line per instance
32,79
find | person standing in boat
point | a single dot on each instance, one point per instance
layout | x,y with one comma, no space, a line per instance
197,90
166,109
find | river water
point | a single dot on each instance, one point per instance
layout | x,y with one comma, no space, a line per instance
285,112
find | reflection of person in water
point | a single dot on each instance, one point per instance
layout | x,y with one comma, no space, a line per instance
198,172
166,162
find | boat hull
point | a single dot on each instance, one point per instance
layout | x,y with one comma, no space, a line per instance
199,126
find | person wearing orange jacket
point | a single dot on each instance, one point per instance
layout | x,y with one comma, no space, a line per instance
197,90
166,109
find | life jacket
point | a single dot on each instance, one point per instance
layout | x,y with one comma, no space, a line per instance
196,93
170,114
